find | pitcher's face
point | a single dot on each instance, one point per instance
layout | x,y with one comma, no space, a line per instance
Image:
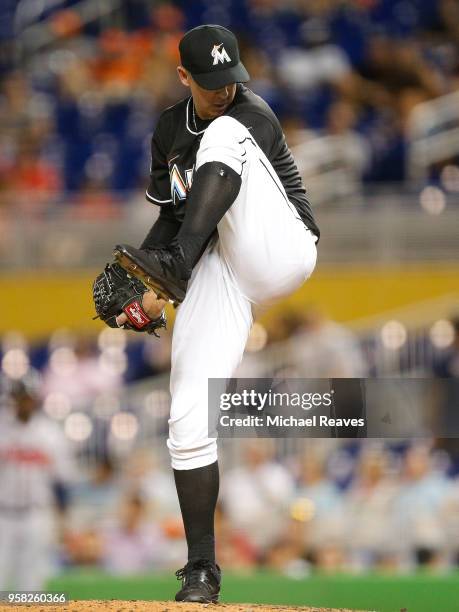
209,103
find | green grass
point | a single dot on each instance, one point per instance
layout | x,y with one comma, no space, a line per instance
418,593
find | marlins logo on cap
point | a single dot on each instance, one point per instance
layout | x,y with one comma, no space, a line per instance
221,45
219,54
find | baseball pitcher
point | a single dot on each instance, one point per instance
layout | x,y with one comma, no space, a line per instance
235,229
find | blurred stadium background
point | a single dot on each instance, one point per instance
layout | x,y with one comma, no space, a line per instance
368,94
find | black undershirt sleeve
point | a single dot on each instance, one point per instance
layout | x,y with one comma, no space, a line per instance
215,188
164,229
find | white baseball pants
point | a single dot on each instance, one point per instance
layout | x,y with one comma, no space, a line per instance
263,251
25,550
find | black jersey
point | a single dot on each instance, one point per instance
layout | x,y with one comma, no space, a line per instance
176,141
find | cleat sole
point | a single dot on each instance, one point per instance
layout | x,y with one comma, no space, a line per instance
136,270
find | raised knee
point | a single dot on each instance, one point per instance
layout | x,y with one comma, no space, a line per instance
225,129
224,141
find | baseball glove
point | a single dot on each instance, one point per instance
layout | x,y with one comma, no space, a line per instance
114,292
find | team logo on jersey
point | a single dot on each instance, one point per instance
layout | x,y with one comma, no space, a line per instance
219,54
180,186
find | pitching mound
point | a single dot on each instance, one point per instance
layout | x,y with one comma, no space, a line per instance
162,606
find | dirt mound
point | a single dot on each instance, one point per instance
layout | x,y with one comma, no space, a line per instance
161,606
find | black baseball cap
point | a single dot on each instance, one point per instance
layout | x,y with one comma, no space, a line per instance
211,54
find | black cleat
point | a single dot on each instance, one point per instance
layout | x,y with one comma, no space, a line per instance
201,581
159,269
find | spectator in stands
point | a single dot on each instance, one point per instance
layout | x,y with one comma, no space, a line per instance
447,362
256,494
295,129
314,530
329,557
96,498
142,471
15,94
133,544
26,128
157,353
320,493
234,549
369,509
159,79
322,348
316,63
284,326
417,508
446,414
95,201
449,12
81,373
449,513
34,181
288,553
341,121
94,503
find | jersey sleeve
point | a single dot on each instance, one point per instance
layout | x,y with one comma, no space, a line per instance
163,230
158,191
